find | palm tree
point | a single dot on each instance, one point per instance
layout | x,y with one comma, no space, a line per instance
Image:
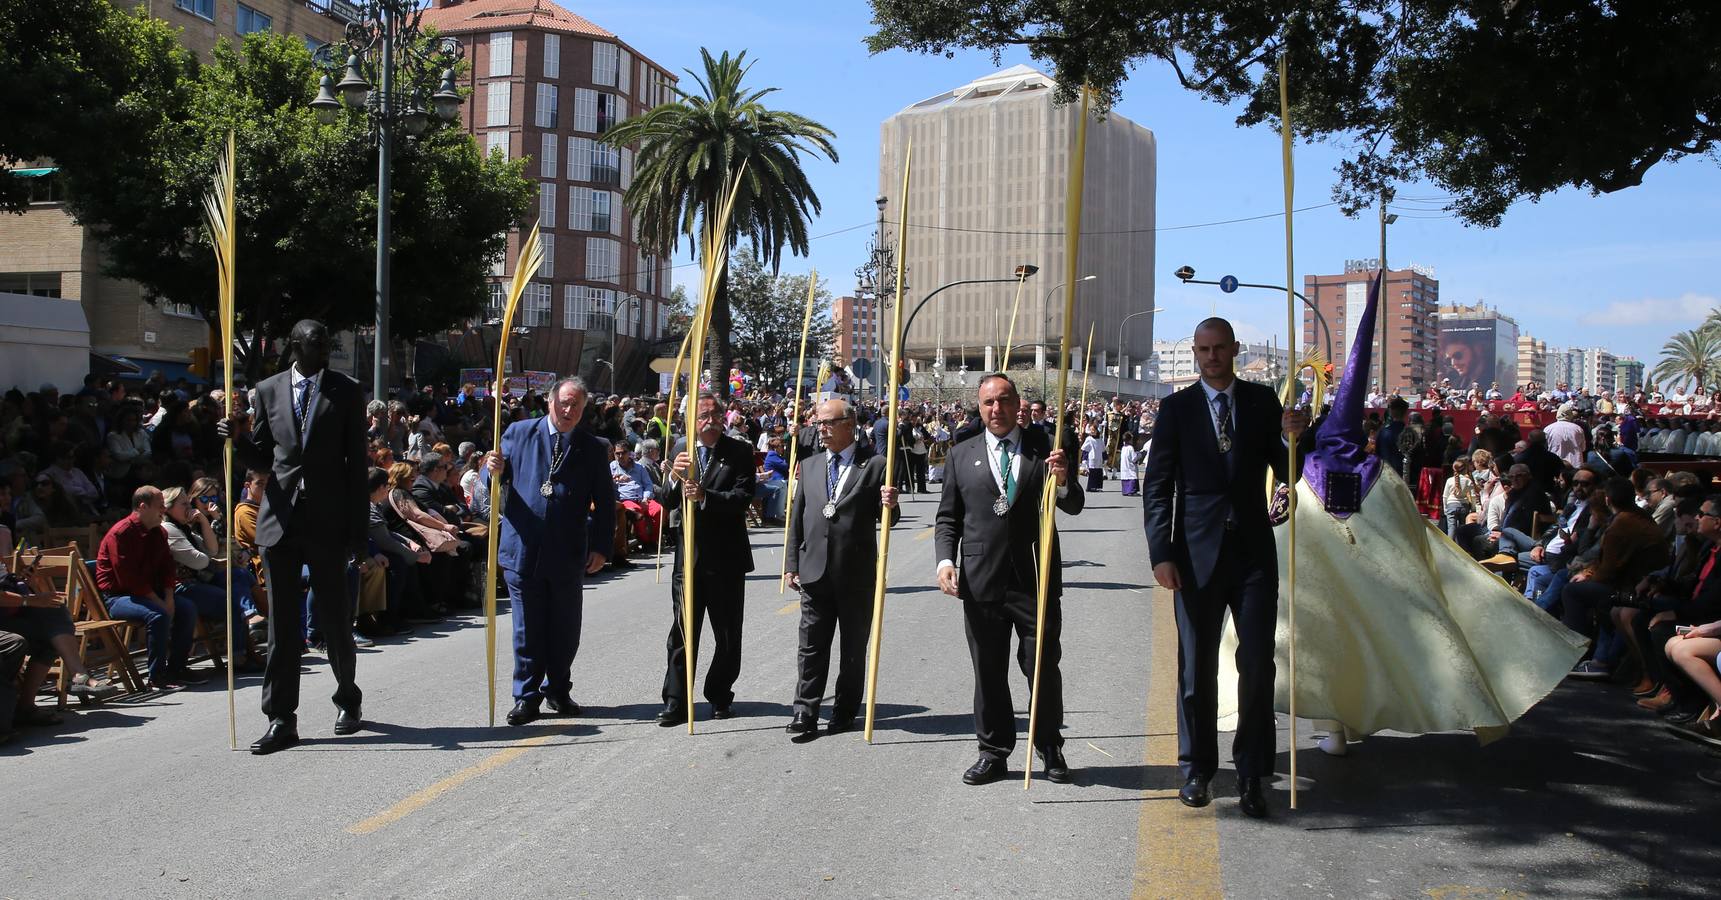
691,148
1690,357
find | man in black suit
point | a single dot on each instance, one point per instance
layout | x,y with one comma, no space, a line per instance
989,518
722,557
833,562
1204,504
307,430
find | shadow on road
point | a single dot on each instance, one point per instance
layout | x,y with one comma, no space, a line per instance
389,737
70,730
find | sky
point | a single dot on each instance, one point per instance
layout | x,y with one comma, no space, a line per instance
1621,271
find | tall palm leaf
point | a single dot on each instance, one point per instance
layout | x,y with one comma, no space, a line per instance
1690,357
691,147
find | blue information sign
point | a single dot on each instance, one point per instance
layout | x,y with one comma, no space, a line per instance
1228,284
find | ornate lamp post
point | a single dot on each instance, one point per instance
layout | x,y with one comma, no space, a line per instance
384,48
877,278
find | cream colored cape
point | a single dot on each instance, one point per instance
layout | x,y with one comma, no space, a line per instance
1398,629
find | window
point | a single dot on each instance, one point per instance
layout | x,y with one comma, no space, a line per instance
626,168
535,305
647,279
586,308
501,53
595,111
602,220
552,56
494,141
579,158
580,208
46,187
606,164
546,204
624,71
500,96
183,310
36,284
604,64
547,156
546,107
548,242
250,20
603,260
201,8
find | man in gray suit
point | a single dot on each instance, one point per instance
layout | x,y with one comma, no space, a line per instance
832,561
990,511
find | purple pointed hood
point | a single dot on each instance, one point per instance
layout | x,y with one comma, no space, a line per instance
1340,445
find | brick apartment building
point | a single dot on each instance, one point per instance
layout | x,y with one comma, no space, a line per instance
544,82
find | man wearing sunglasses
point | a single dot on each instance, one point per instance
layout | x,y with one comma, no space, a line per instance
1548,561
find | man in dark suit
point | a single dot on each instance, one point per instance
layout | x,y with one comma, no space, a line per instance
722,557
556,474
833,562
989,519
307,430
1204,504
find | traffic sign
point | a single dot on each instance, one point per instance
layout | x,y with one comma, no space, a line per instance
1228,284
861,368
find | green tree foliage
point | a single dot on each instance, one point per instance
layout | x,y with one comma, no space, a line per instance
70,71
1493,100
306,201
691,148
1690,358
768,310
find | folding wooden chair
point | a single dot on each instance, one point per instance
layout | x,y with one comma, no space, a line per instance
102,639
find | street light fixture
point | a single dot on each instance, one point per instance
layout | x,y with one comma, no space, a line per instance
615,334
1121,373
385,42
1186,274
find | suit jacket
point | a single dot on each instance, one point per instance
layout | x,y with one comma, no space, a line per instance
840,552
321,480
998,552
550,536
1188,491
721,534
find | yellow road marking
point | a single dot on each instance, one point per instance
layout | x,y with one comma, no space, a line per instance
1177,848
430,794
789,607
924,534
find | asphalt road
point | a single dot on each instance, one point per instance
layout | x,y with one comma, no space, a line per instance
143,799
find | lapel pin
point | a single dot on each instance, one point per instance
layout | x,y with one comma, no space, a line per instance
977,462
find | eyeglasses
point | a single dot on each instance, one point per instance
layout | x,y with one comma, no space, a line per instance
1587,482
1708,515
830,423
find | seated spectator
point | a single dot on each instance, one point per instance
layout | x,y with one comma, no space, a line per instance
201,578
773,479
136,574
32,612
634,484
1686,593
1563,543
401,559
441,538
1659,494
1632,547
60,510
1694,655
1459,497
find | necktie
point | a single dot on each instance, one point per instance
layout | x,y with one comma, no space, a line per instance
304,406
704,459
1006,471
1223,402
831,478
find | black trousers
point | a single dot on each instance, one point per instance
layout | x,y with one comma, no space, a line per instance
989,625
824,609
1249,588
917,471
721,596
328,565
1585,601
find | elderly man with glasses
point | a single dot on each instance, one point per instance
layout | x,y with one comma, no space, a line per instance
1561,543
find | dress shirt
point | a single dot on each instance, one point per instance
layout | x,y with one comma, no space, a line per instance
992,440
635,489
316,381
134,561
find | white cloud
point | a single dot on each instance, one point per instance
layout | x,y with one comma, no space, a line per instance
1653,312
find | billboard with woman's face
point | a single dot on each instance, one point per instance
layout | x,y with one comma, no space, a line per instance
1478,353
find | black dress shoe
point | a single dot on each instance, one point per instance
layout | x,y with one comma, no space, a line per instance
1057,770
562,705
1254,801
348,721
1194,793
722,712
183,675
524,711
803,723
985,771
280,735
671,716
840,724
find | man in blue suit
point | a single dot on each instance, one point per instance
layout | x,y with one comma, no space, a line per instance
557,514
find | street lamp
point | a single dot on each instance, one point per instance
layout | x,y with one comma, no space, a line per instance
1120,367
877,278
1024,270
384,42
1186,275
615,335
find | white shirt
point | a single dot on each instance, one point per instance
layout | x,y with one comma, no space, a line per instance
845,465
1557,544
